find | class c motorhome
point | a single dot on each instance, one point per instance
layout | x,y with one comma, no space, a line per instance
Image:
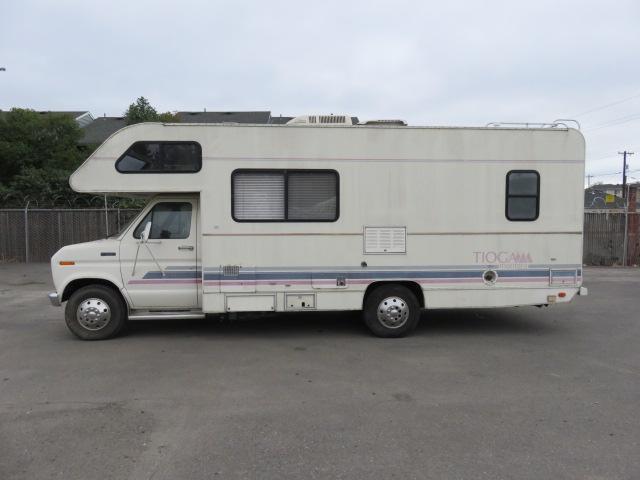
323,215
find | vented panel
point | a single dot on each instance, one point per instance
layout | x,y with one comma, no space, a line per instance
230,270
332,119
258,196
385,240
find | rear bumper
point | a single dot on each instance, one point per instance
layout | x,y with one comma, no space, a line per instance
54,299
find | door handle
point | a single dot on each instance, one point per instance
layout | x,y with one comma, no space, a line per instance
185,247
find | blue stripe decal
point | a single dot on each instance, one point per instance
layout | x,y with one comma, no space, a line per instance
566,273
326,274
365,274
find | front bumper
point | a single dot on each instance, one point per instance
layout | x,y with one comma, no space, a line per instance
54,299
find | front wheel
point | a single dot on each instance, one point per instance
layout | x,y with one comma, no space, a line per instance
95,312
391,311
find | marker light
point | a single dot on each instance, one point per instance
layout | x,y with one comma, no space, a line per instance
65,263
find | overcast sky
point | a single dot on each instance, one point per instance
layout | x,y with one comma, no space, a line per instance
430,63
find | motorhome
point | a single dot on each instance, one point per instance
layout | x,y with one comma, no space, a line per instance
320,214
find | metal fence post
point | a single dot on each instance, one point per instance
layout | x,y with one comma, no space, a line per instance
26,232
59,229
106,216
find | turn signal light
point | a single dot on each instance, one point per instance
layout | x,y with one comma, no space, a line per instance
66,263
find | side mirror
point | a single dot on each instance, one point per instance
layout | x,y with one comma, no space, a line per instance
144,236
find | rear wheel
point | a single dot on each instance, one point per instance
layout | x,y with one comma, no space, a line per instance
95,312
391,311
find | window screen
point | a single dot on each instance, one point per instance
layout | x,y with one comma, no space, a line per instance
523,195
161,157
168,220
285,195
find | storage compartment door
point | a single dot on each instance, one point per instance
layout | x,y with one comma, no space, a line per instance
250,303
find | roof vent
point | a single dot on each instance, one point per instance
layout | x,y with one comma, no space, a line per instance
392,122
321,120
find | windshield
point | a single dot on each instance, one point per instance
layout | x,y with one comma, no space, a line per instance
124,220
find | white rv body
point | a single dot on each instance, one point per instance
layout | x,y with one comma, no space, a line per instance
420,206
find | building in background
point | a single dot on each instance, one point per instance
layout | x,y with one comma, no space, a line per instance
99,129
606,196
83,117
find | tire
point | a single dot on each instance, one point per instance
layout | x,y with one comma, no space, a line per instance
95,312
391,311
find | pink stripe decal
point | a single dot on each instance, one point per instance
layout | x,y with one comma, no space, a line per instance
524,279
371,280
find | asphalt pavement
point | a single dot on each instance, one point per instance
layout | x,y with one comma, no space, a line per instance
518,393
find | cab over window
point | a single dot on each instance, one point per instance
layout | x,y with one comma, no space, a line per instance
168,220
161,157
523,195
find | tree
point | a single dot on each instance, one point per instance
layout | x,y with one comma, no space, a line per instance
46,186
39,152
142,111
29,140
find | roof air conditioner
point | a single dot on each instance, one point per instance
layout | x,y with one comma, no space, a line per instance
321,120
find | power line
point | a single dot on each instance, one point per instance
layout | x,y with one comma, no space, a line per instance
609,174
615,122
602,107
607,157
637,147
594,175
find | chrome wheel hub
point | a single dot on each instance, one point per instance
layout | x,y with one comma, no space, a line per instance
393,312
93,314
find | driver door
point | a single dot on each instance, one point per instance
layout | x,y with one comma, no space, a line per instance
163,271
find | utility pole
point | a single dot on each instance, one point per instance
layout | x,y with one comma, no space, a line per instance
589,177
624,172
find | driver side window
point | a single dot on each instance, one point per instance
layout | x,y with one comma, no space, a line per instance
169,220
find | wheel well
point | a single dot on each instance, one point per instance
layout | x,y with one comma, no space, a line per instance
83,282
413,286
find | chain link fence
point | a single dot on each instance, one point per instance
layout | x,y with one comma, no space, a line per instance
35,234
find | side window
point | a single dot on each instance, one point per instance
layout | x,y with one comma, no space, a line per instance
168,220
161,157
258,196
285,195
523,195
312,196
